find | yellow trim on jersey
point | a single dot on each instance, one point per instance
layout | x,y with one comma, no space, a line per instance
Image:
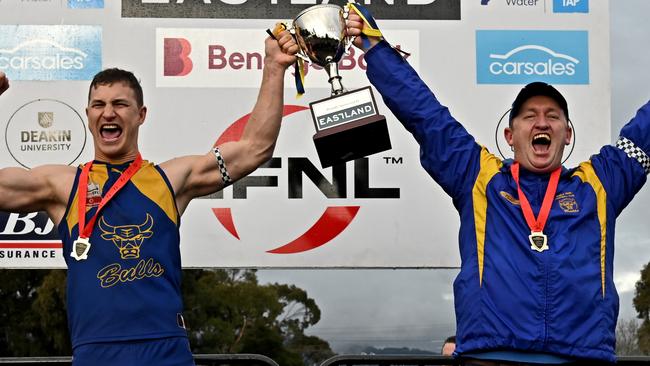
587,174
99,176
145,181
490,166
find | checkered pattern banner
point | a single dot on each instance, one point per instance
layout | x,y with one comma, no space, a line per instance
634,152
222,167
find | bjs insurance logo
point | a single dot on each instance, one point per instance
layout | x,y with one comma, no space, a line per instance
50,52
518,57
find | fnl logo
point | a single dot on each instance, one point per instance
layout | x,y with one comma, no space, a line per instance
519,57
333,220
177,60
570,6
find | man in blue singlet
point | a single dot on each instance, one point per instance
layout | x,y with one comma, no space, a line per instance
536,239
118,216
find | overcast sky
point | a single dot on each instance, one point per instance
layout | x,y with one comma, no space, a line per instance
414,308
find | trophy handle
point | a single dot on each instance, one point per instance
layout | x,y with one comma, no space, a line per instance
349,40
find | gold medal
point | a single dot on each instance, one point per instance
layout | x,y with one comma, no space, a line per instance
538,241
537,238
80,248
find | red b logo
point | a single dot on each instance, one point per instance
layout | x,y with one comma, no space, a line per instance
177,61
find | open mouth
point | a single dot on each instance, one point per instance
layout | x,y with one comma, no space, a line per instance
110,131
541,142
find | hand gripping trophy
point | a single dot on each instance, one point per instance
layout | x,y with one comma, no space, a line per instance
348,125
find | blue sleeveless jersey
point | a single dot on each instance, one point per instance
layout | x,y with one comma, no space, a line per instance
129,287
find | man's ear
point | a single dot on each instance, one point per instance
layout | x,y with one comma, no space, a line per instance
507,133
143,114
569,134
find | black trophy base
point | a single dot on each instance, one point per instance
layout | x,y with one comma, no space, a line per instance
352,140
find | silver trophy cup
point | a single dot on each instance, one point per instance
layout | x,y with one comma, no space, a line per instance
320,33
348,125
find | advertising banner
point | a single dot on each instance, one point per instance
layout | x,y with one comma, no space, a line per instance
200,65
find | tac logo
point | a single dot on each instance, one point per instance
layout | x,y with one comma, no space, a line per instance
86,4
45,131
333,219
177,60
570,6
519,57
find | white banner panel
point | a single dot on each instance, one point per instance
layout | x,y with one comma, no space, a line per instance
200,79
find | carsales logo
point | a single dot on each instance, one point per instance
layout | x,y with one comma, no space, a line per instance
57,52
518,57
234,58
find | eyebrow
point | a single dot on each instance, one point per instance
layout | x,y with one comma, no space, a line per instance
113,101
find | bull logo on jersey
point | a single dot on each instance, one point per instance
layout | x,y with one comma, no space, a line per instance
127,238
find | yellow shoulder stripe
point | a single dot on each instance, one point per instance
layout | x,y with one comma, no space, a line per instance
151,184
587,174
490,166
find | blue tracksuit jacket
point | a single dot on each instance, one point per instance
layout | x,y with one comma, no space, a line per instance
507,296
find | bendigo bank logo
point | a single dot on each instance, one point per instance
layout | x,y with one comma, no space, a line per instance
518,57
234,58
333,220
176,57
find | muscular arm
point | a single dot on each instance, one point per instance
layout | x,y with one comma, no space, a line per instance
193,176
44,188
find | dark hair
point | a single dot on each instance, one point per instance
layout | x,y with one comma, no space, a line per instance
450,339
534,89
115,75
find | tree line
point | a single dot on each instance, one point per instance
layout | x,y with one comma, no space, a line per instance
226,311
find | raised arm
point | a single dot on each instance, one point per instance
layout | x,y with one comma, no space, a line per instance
447,151
44,188
624,167
193,176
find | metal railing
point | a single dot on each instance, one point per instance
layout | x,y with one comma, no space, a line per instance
384,360
425,360
261,360
244,359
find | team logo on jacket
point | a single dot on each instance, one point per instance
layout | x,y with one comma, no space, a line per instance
567,202
127,238
510,198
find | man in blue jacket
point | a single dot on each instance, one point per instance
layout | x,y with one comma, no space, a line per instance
536,239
